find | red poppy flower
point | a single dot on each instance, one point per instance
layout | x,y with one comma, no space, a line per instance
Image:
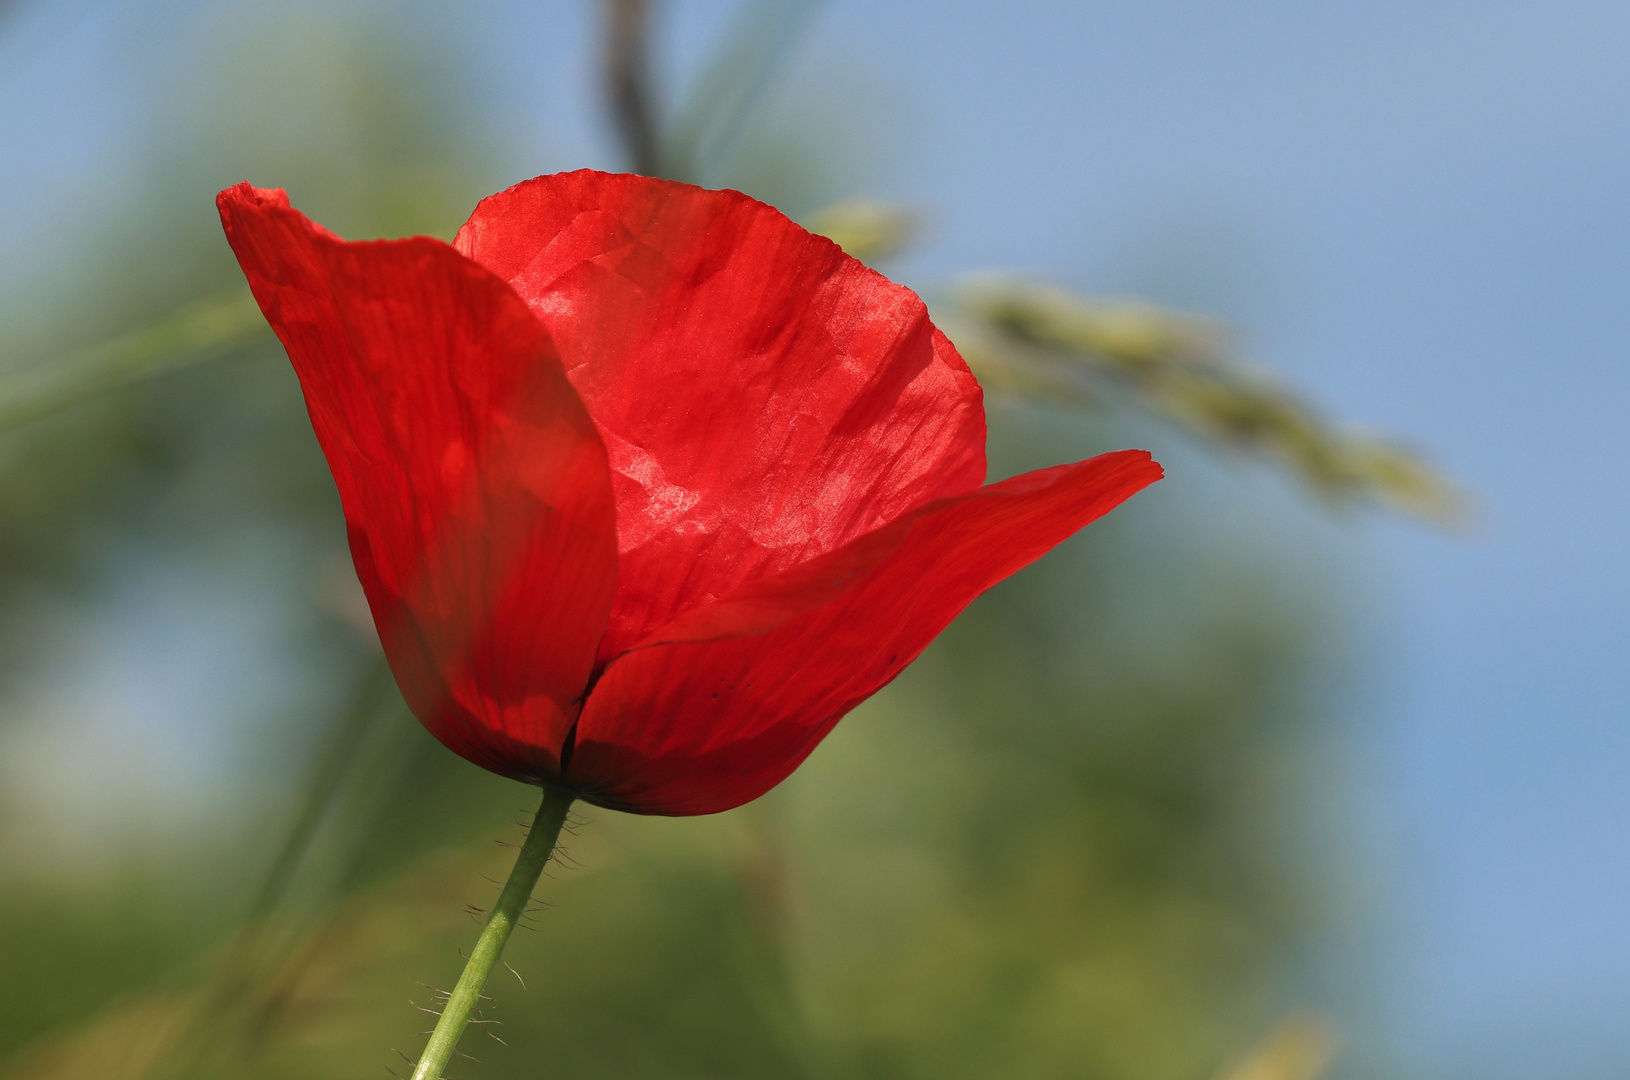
647,486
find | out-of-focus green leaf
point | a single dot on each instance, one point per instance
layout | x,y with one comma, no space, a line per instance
200,330
1039,339
865,228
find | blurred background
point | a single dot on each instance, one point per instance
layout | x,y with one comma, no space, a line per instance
1306,763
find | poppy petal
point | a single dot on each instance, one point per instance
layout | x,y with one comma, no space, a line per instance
721,705
476,489
764,397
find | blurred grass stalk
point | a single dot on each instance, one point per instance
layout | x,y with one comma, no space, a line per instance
156,1035
1301,1048
712,117
1040,340
201,330
235,1003
866,229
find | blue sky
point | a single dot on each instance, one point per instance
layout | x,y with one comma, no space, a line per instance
1418,212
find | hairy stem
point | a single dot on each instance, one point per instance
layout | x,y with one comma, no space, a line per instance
540,844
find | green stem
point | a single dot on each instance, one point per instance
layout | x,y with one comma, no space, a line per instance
540,844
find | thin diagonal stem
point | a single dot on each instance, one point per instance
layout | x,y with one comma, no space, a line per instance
540,844
248,956
338,757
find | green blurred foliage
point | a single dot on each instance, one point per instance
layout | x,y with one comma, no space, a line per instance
1074,840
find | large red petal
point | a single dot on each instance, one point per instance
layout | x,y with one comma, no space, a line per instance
720,706
764,397
475,486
